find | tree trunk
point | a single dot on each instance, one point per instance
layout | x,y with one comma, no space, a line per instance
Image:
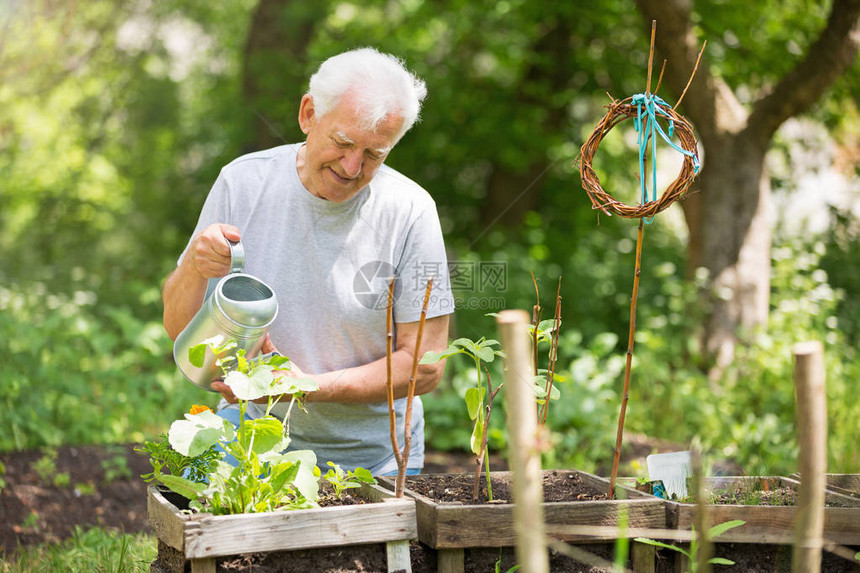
728,218
734,242
276,68
511,193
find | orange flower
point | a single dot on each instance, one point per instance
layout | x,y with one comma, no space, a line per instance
197,408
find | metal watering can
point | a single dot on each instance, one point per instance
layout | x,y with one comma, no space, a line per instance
241,308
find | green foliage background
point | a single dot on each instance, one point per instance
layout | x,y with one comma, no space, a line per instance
115,118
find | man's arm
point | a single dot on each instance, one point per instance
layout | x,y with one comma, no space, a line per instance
207,257
367,383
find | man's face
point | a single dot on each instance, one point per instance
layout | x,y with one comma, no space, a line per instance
340,158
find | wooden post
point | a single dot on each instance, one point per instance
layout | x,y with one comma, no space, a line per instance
203,565
809,379
397,553
522,448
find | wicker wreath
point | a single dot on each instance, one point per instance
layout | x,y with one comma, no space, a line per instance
619,110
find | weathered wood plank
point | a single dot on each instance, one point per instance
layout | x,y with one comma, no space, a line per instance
163,516
203,565
848,482
450,561
445,525
449,526
302,529
771,524
643,557
202,536
397,555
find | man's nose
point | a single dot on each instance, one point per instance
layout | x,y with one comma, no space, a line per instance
352,162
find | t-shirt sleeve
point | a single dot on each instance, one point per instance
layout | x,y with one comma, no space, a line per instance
216,209
423,257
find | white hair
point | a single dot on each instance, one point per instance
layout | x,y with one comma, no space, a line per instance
379,84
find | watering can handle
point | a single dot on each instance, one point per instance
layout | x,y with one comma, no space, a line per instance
237,256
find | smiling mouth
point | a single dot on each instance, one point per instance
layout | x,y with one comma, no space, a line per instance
341,178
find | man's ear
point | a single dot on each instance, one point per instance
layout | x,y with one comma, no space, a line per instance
307,114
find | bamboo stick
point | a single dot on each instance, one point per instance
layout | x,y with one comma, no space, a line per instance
523,453
809,378
389,379
630,340
400,482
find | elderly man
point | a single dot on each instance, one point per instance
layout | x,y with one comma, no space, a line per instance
325,222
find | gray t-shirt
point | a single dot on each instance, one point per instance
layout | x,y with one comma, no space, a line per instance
329,265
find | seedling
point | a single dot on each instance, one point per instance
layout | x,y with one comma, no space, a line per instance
543,331
342,480
116,466
46,468
162,457
712,533
479,400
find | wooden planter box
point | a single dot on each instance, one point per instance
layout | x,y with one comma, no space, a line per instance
846,484
202,537
450,528
770,524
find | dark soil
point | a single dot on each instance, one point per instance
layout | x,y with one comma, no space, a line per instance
88,486
103,489
557,486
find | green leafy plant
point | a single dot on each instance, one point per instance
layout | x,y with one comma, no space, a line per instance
479,400
342,480
85,488
263,479
163,457
116,466
691,553
46,468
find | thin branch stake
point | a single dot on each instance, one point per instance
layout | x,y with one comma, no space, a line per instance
626,390
550,377
660,79
479,460
535,321
389,381
651,55
403,462
696,67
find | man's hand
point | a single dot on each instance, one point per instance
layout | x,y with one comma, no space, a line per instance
208,257
294,371
209,253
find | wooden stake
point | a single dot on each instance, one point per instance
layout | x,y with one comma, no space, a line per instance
809,378
535,321
626,391
400,482
523,452
651,55
389,380
550,375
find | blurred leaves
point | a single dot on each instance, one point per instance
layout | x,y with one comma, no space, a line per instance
115,118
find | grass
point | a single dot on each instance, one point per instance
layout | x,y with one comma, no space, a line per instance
87,551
